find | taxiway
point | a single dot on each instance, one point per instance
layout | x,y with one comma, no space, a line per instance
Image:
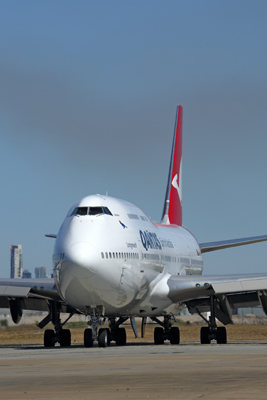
136,371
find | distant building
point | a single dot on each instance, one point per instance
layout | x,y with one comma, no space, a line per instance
257,311
26,274
40,272
16,263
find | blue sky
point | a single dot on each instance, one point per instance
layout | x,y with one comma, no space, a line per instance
88,92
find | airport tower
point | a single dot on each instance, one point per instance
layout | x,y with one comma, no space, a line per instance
40,272
16,264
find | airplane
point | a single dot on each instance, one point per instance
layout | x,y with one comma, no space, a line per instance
111,263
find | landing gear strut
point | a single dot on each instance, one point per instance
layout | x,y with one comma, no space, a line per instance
212,332
116,333
96,318
166,331
58,335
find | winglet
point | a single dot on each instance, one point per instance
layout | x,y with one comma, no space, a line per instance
172,211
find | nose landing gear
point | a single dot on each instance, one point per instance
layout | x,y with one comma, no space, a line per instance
96,318
105,335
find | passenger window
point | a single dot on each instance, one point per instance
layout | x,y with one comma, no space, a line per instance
109,255
102,254
106,255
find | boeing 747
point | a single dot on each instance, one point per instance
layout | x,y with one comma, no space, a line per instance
111,263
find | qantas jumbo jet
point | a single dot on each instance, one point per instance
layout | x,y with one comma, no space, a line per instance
111,263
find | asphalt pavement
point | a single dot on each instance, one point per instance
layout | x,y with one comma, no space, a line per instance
237,370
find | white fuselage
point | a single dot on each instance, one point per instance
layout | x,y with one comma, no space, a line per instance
120,261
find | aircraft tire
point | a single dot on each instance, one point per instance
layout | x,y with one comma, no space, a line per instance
175,335
221,335
120,337
49,338
65,338
108,332
88,338
158,335
103,338
204,335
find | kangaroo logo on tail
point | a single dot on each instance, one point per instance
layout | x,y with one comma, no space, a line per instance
175,183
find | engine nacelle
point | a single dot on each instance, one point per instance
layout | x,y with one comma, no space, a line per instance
16,311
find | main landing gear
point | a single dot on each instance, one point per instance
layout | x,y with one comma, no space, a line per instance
212,332
166,331
57,335
51,337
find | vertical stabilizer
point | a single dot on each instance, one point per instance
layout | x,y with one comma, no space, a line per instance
172,211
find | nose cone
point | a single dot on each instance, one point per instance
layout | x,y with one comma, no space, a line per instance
84,256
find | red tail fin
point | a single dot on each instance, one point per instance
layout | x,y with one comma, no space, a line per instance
172,212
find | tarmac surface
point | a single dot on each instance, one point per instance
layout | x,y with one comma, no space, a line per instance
237,370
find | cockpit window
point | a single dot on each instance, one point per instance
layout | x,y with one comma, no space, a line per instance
90,211
106,211
95,210
80,211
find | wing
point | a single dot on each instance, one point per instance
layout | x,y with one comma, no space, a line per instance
224,244
229,291
30,294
